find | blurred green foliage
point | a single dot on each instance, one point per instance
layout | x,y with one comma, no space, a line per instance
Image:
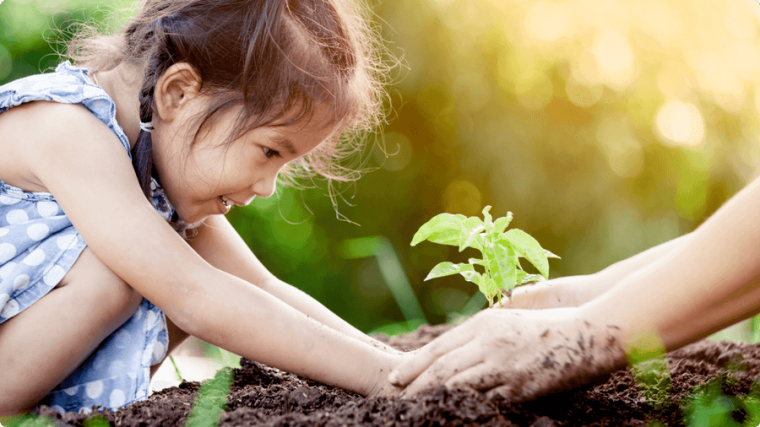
606,127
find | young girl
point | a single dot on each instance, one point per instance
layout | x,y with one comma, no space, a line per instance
115,181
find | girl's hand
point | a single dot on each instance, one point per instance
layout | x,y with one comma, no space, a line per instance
382,386
385,347
516,353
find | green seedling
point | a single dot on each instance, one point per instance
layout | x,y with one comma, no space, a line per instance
499,271
211,400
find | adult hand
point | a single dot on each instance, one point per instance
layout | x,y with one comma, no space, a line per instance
520,354
569,291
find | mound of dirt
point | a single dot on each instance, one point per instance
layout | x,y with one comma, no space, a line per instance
711,374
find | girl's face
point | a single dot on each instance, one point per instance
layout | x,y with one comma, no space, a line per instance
198,180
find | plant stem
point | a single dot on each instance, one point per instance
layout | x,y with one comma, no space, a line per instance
176,369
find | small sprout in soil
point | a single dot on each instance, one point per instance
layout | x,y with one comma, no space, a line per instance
96,421
709,406
28,420
499,270
176,369
211,400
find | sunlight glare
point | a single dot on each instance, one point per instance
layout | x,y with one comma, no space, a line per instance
680,123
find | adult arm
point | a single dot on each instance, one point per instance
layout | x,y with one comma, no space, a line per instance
710,282
572,291
87,170
219,244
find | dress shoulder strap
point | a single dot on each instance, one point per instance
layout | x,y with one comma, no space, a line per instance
69,85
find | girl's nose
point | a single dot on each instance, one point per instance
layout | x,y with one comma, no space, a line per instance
265,188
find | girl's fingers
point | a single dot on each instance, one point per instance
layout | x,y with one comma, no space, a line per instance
447,366
426,356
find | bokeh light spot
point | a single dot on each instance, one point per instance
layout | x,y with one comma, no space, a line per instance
583,95
615,59
660,20
396,154
546,21
462,197
471,91
673,81
535,93
680,123
435,100
25,23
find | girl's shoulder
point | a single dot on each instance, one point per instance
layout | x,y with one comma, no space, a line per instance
67,85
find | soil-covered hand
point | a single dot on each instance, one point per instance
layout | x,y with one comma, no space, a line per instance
520,354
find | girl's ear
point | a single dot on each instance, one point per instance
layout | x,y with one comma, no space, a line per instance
179,84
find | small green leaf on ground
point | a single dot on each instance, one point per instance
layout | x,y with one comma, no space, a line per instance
211,400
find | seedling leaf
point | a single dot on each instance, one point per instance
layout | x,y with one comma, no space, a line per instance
551,255
489,288
502,223
471,276
524,278
447,269
487,219
470,234
501,251
503,267
443,229
527,247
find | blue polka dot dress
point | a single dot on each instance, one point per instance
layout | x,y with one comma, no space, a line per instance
38,246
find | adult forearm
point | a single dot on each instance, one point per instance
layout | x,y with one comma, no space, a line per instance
710,282
618,271
573,291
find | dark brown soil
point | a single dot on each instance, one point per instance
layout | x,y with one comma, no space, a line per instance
703,373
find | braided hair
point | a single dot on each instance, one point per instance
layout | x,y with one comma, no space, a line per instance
158,62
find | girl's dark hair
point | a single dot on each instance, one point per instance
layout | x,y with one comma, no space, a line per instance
279,59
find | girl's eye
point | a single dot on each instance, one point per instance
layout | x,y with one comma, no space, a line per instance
269,153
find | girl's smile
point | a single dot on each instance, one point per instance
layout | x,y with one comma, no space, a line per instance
210,175
213,176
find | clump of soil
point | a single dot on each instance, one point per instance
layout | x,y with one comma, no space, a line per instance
264,396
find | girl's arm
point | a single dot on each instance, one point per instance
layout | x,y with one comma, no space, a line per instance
219,244
710,282
80,161
572,291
